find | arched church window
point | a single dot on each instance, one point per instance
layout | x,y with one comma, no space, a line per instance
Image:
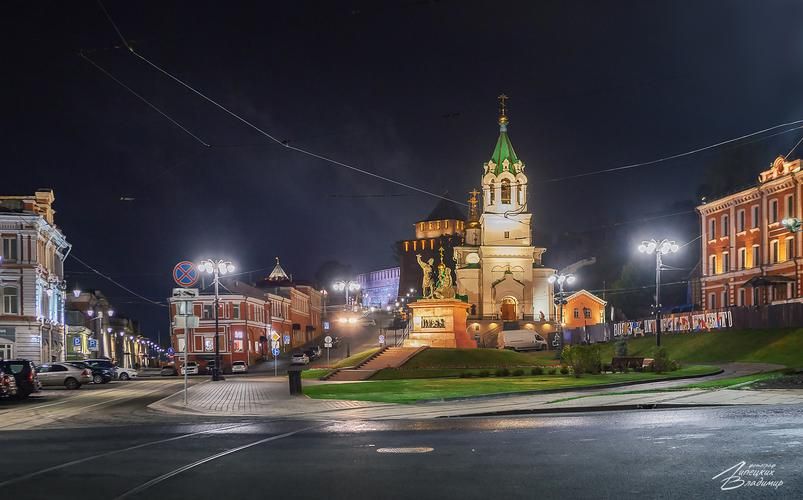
493,194
505,191
519,194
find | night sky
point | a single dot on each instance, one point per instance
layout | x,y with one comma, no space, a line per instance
406,89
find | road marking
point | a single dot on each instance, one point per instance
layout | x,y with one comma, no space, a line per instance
418,449
101,455
163,477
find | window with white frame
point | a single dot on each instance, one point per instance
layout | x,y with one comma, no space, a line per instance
6,351
754,220
755,256
789,246
773,211
712,301
726,225
11,300
724,298
10,248
790,206
740,258
740,221
741,298
774,251
712,264
235,311
712,229
726,262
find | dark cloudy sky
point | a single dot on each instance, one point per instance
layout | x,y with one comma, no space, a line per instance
405,89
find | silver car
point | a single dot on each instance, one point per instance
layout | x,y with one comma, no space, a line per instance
62,374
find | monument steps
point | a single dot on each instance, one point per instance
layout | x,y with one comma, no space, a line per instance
389,357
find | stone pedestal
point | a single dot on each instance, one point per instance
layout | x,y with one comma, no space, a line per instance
439,323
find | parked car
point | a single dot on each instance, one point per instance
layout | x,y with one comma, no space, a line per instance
191,367
25,376
368,322
125,373
8,384
70,376
168,371
521,340
100,374
299,358
239,367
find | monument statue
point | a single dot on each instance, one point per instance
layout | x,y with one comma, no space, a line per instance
427,288
443,287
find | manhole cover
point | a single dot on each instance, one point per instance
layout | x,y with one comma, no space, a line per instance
419,449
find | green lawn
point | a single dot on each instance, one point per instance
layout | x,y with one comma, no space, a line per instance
314,373
355,359
412,390
479,358
784,347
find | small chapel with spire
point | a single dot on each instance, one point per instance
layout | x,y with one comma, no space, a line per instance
497,267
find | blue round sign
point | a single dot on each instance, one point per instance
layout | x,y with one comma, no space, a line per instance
185,274
275,351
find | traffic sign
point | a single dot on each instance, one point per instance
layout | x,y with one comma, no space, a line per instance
287,340
328,339
275,336
327,345
274,344
76,341
93,344
170,351
381,339
185,274
275,351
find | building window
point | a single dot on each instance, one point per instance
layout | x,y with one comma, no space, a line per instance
10,248
492,194
790,206
712,264
754,257
726,225
712,301
430,224
755,216
726,262
773,211
741,297
576,313
238,345
209,344
446,224
10,300
209,311
432,244
507,234
406,246
725,302
6,351
740,221
415,246
712,228
235,311
586,313
519,190
774,251
505,191
790,248
740,258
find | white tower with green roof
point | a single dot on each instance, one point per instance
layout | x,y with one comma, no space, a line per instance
502,275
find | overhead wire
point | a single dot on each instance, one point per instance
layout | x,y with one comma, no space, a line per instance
112,280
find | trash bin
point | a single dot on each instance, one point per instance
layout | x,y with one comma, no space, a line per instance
294,377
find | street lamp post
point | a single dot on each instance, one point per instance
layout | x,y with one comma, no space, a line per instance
216,268
99,337
659,248
346,286
560,299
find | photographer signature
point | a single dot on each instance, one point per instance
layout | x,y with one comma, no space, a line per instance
748,475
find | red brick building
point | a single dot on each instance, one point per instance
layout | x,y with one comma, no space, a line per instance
748,256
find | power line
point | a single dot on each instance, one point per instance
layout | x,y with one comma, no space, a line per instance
679,155
132,292
151,105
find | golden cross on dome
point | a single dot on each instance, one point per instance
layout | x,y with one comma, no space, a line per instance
502,108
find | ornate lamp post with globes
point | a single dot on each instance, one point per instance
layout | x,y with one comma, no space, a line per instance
560,297
659,248
216,268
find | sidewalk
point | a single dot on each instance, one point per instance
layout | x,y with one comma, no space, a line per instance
268,397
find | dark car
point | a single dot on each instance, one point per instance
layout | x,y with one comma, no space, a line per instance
313,353
100,374
168,371
25,376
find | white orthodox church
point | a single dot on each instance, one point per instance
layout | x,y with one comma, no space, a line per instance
497,268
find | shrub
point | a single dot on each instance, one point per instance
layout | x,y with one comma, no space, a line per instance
661,361
537,370
583,358
606,367
620,348
518,372
625,369
553,370
484,373
564,370
502,372
466,375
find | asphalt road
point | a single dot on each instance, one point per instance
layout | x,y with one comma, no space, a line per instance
624,454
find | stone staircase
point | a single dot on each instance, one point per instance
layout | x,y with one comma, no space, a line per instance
388,357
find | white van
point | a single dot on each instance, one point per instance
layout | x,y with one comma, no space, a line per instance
521,340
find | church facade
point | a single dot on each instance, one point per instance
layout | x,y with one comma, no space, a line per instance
498,270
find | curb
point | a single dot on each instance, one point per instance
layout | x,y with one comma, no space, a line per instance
588,409
568,389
